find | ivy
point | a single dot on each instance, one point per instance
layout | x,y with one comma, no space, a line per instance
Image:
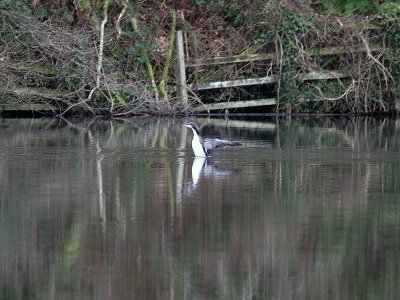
351,6
389,18
294,25
15,4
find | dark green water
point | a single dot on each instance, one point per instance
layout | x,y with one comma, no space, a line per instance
305,209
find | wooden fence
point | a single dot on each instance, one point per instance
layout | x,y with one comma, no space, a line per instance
185,88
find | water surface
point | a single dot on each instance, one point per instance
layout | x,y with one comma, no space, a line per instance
304,209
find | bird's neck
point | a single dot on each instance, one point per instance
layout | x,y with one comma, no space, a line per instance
197,145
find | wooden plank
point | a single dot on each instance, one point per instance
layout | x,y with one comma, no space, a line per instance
268,126
233,83
181,69
397,105
235,104
219,60
315,75
38,92
340,50
18,106
45,70
323,75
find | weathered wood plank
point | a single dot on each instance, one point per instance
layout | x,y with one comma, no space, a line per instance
340,50
233,83
269,126
235,104
397,105
38,92
321,75
28,105
220,60
18,106
316,75
229,59
181,69
45,70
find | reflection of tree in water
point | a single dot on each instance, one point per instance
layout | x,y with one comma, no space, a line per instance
317,216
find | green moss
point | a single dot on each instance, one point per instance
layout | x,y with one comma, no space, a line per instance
85,4
45,70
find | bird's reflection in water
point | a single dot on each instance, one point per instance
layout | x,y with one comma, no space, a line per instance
197,168
203,168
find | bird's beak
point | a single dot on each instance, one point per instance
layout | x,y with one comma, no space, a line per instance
186,125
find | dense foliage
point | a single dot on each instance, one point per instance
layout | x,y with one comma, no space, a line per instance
116,56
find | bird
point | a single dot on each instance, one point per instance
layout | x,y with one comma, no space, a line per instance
204,148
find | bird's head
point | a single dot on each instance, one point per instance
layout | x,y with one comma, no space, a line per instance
193,126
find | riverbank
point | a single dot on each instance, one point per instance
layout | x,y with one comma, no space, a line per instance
119,59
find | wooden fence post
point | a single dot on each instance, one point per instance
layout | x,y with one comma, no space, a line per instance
180,69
